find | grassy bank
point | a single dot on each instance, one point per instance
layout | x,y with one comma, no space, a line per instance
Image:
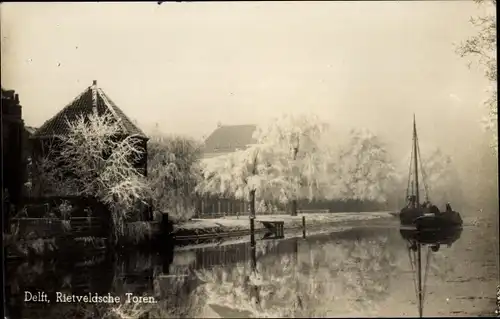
232,226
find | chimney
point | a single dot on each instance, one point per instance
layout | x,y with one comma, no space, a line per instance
16,98
93,88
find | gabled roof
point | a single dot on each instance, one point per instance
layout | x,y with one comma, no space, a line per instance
82,105
229,138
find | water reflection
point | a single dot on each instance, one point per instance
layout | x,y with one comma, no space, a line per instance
347,273
434,237
417,241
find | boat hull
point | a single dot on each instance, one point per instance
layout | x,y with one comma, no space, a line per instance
440,220
408,215
421,218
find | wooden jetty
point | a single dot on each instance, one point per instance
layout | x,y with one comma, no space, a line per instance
274,226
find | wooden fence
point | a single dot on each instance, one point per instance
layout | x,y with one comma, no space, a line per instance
70,223
39,207
214,207
245,213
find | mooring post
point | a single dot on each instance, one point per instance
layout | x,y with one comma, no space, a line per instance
252,231
252,242
303,226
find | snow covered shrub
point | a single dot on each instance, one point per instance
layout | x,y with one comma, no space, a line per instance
173,172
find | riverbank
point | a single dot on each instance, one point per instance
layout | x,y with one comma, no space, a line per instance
234,226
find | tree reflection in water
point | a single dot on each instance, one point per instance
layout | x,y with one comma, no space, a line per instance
332,277
342,274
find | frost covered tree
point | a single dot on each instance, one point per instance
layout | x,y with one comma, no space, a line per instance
442,178
43,175
271,170
483,47
364,170
173,173
91,160
299,137
256,172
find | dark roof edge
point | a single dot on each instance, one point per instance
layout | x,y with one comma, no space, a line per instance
44,137
60,111
112,105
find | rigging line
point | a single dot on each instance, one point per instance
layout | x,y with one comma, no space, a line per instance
424,175
409,174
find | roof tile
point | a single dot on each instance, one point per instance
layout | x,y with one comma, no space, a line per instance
230,138
83,105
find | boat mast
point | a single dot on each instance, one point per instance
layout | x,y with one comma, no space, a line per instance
419,246
415,158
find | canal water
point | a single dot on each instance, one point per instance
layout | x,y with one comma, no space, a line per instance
364,271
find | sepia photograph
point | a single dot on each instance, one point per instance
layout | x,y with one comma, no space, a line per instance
249,159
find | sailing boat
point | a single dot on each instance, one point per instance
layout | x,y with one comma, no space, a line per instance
424,215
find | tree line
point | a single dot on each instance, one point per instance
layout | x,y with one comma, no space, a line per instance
294,159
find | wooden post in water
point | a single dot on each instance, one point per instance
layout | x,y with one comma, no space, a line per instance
303,226
252,226
298,300
252,231
253,247
224,210
253,256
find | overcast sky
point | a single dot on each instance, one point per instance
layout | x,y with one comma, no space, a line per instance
187,66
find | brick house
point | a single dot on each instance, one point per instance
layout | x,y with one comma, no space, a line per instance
92,98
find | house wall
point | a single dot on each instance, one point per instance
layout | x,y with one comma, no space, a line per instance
12,127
